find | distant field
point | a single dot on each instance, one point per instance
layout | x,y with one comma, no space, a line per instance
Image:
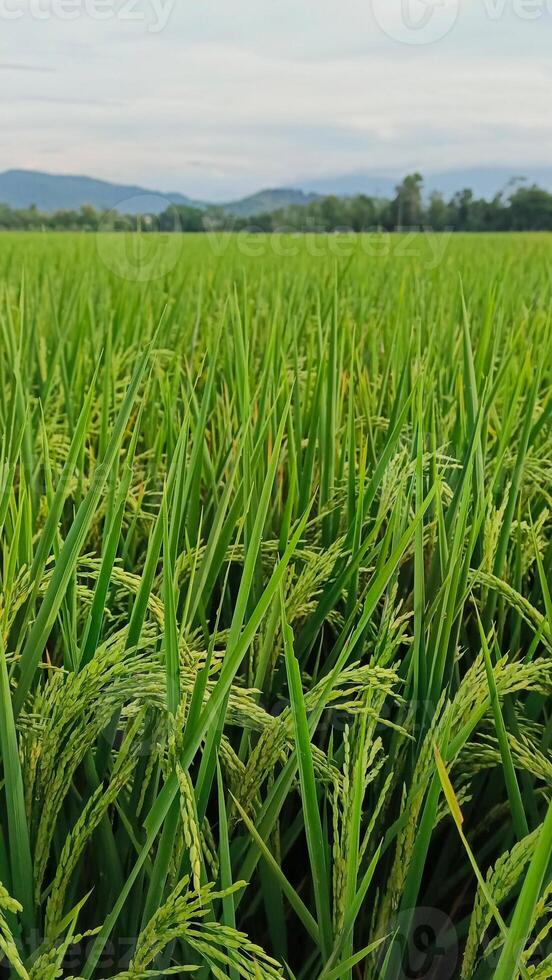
275,608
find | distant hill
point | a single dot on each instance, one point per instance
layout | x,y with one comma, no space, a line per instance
55,192
266,201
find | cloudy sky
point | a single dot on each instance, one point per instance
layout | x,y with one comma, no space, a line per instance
217,98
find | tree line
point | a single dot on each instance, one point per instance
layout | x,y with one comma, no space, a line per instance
518,208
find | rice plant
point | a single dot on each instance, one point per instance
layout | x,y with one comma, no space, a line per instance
275,609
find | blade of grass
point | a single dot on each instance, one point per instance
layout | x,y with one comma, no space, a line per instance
313,823
18,831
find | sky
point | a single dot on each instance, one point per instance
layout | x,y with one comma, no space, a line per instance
217,99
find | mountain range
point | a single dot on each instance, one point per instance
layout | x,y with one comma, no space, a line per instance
53,192
56,192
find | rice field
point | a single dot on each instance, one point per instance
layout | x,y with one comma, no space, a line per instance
275,607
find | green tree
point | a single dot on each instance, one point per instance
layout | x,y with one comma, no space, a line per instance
408,203
438,213
531,209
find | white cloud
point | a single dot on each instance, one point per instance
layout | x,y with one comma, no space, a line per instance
231,97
